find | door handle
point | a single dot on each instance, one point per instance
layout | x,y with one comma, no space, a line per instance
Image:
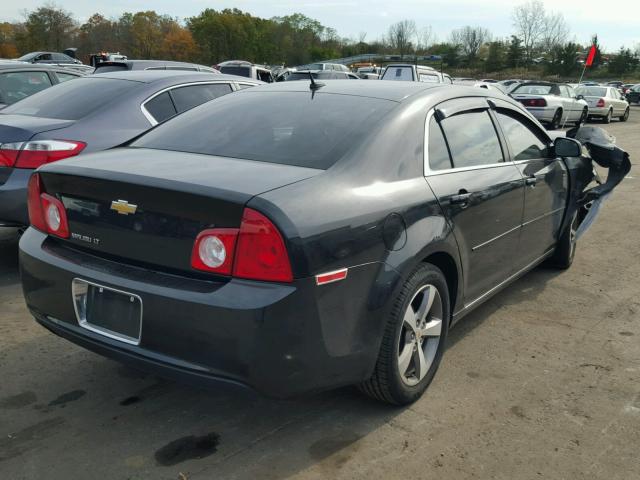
462,198
531,181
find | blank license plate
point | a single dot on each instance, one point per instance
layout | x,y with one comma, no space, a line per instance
114,313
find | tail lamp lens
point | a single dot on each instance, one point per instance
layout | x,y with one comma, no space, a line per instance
38,152
213,250
46,213
600,102
261,252
255,251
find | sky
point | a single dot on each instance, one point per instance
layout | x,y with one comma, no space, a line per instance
616,23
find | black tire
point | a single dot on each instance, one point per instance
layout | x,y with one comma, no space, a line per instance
566,248
386,384
557,119
583,117
625,117
607,117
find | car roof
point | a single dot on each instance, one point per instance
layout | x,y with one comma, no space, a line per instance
381,89
536,82
149,76
24,66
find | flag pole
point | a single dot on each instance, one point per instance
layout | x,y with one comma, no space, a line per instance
583,72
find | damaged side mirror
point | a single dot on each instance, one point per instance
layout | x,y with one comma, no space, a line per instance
567,147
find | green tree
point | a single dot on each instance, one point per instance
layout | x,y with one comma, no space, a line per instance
564,59
495,57
623,62
515,53
47,28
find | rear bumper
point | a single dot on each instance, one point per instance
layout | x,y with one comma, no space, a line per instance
279,339
13,198
598,111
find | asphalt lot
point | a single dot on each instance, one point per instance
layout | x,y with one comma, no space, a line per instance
543,381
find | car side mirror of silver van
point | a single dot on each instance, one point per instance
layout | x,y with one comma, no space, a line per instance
567,147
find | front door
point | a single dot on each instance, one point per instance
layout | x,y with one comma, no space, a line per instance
480,193
546,184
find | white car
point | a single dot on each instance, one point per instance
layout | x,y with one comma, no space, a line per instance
415,73
555,104
605,102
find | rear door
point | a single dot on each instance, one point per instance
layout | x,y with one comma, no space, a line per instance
546,183
480,193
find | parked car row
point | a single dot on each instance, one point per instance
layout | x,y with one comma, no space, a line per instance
289,237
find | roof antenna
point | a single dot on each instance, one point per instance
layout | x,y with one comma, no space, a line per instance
314,85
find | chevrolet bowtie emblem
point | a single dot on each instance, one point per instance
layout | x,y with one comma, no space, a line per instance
123,207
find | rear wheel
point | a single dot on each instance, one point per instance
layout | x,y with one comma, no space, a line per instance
607,117
555,121
566,247
625,117
413,339
583,117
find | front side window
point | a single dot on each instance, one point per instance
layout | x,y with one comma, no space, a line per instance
438,153
524,143
185,98
15,86
63,77
472,139
429,78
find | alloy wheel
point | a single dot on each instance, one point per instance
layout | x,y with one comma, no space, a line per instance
420,335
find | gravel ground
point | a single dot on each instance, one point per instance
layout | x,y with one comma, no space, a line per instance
543,381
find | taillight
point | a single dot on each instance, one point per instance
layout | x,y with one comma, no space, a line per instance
600,102
46,213
255,251
213,250
36,214
534,102
38,152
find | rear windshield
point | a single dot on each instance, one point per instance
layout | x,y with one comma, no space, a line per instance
398,73
533,89
292,128
72,100
240,71
592,91
111,68
305,75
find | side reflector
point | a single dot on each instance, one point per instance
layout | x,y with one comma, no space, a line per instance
330,277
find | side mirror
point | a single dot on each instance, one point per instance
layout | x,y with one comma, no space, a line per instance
579,97
567,147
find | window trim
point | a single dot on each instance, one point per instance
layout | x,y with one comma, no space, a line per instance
427,172
547,141
153,121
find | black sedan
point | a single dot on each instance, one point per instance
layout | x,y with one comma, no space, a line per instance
297,237
93,113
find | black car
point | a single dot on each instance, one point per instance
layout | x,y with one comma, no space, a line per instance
294,238
633,94
127,65
20,80
49,58
94,113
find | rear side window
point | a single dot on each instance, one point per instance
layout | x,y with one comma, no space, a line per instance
185,98
524,143
429,78
73,100
472,139
63,77
438,153
292,128
18,85
161,107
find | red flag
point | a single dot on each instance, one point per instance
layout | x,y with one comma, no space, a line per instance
591,56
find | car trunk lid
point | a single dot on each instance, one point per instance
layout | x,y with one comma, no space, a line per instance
146,207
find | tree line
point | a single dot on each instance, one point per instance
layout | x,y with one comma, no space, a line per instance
540,39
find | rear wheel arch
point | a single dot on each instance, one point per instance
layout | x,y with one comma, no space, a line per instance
447,265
